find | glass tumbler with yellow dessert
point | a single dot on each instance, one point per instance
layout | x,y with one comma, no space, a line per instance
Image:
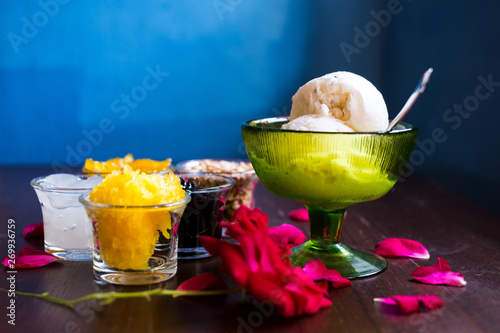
332,152
130,210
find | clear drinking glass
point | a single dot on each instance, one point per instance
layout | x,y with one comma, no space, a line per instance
126,238
203,213
67,228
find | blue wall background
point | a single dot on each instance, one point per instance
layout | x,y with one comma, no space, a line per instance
165,78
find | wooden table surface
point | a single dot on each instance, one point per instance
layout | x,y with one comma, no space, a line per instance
464,234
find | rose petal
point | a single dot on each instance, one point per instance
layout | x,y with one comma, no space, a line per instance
286,236
439,273
299,215
175,229
33,230
233,261
316,270
252,233
309,302
401,247
269,290
205,281
409,304
29,257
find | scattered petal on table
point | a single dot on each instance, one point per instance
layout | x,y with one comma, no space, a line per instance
401,247
33,230
409,304
316,270
29,257
299,215
439,273
204,281
286,236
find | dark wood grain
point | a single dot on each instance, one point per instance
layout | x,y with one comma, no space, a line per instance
466,235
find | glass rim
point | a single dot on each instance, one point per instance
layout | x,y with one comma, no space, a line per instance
179,166
229,181
35,183
254,123
90,172
84,200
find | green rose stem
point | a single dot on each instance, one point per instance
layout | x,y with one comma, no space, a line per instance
109,297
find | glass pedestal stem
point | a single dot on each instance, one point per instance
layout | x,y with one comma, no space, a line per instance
325,227
325,245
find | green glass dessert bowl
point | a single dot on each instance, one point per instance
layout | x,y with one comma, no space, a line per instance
328,172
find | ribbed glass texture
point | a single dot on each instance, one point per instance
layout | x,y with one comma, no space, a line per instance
327,171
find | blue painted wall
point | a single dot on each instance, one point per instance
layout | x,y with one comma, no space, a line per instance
165,78
162,78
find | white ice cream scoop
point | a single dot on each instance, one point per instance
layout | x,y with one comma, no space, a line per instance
317,123
345,96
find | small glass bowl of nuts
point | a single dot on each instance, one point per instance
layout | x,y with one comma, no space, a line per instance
241,171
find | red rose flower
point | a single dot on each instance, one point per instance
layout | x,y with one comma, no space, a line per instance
257,266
